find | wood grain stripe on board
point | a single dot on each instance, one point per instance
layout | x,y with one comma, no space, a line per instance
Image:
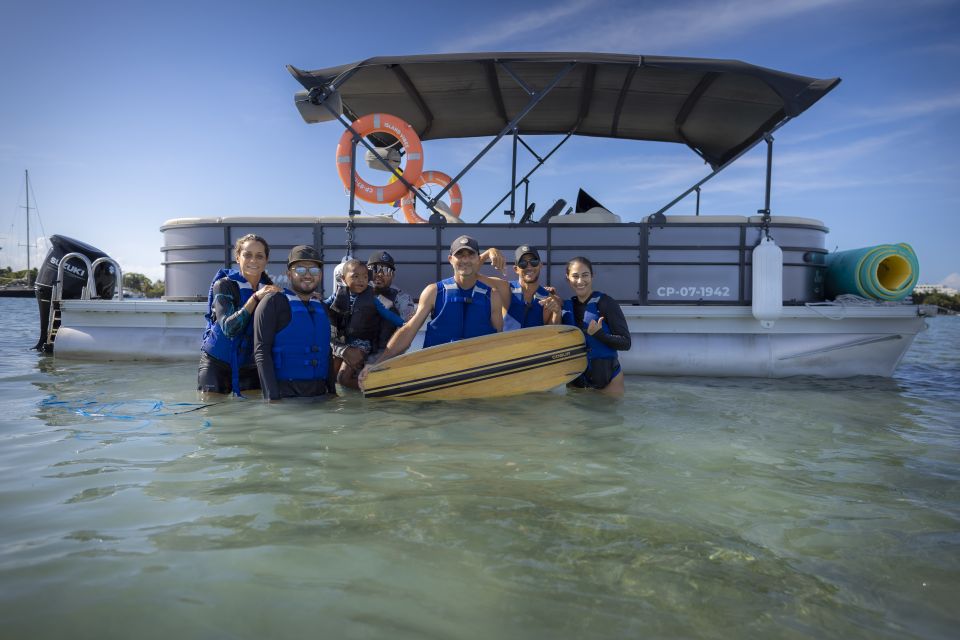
466,376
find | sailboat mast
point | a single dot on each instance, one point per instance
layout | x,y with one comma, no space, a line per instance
26,179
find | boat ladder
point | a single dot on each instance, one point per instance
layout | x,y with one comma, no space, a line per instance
88,292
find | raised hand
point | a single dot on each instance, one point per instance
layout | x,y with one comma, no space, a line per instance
594,326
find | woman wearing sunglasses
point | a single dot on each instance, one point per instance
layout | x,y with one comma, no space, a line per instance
226,353
602,322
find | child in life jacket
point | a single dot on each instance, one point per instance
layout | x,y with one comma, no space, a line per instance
356,320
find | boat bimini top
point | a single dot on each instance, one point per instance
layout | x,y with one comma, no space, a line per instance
718,108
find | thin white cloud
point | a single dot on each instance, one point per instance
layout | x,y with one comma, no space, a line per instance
664,29
519,25
621,28
912,109
952,280
861,117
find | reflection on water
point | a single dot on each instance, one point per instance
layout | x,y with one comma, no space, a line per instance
692,508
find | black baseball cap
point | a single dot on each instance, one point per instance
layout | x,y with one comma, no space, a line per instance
464,242
380,257
303,252
524,249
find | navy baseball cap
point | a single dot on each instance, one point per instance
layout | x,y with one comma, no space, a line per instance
464,242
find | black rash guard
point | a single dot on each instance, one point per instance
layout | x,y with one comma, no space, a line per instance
619,336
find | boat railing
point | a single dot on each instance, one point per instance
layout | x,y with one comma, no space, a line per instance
56,297
61,267
118,288
91,282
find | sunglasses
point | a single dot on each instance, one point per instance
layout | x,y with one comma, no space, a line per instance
532,262
300,271
382,269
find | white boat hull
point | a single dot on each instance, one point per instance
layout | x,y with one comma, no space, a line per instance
825,340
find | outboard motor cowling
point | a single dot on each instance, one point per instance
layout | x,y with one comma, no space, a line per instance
74,278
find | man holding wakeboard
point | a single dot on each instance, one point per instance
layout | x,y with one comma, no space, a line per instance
459,307
291,334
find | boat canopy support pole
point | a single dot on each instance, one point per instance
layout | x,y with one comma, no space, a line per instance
513,179
535,98
765,212
659,214
525,179
352,211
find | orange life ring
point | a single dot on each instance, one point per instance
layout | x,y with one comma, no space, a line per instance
409,202
381,123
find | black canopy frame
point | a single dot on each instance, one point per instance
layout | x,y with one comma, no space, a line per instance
720,109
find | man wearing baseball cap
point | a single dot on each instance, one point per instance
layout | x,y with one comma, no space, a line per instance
526,303
459,307
382,270
291,334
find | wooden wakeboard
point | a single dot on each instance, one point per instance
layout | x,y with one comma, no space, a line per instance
501,364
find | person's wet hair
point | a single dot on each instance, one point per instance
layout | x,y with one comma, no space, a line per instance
585,261
251,237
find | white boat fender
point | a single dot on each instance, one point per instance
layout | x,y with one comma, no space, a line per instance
767,299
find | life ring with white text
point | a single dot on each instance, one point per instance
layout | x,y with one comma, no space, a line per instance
402,131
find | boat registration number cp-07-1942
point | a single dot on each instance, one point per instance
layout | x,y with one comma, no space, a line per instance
694,291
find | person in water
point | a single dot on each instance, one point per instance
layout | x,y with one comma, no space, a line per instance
382,270
359,322
602,322
459,307
226,352
291,334
526,302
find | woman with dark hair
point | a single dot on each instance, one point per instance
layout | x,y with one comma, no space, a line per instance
602,322
226,354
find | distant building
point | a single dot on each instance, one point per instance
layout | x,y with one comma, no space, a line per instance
935,288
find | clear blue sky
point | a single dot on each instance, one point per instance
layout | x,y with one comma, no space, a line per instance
131,113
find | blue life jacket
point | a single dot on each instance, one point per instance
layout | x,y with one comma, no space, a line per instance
459,313
595,348
519,314
236,351
301,350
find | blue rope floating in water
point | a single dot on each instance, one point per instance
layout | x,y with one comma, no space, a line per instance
144,412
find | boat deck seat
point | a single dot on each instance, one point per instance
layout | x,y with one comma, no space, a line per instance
255,220
593,215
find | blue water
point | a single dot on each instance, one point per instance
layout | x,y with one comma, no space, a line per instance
694,508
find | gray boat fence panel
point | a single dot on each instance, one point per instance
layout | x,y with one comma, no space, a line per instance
277,236
636,263
693,284
193,235
703,234
719,256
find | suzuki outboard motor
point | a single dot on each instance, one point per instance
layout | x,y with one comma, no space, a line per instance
74,278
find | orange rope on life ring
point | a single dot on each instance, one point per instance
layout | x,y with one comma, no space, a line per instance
409,201
381,123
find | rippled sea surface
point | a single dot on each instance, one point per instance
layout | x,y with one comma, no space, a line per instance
694,508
